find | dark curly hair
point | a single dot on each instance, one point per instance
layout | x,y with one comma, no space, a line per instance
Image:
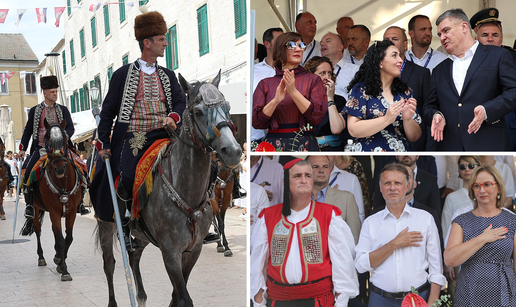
314,62
369,72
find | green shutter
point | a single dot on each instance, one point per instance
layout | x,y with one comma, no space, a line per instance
69,7
106,20
86,97
72,103
110,73
72,53
171,49
125,60
202,27
93,32
121,6
64,62
81,38
240,18
142,2
77,107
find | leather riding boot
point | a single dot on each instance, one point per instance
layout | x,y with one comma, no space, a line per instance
29,209
237,189
130,244
81,208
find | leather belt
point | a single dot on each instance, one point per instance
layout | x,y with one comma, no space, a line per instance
396,295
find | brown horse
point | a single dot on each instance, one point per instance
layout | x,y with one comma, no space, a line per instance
59,193
223,196
4,179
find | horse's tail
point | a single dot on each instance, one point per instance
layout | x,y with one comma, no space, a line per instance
102,230
28,227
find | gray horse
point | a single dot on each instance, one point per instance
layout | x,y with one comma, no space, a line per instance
178,213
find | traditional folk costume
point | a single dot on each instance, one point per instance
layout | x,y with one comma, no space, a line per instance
35,129
308,256
140,95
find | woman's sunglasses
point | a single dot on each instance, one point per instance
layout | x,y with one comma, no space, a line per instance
292,45
462,167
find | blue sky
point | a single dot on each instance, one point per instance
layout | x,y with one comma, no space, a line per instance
41,37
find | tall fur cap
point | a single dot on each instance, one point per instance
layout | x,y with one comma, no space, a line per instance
148,25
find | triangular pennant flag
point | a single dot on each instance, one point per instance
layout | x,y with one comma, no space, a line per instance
2,78
3,15
10,74
94,7
42,15
58,11
22,74
20,15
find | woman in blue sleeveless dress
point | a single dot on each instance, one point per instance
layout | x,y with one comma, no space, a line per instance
482,242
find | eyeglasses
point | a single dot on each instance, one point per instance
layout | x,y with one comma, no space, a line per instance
488,185
462,167
292,45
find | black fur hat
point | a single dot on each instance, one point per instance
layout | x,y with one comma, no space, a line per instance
48,82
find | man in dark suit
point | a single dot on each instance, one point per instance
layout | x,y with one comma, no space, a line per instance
488,28
471,91
426,192
417,78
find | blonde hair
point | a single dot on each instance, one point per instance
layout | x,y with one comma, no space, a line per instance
497,177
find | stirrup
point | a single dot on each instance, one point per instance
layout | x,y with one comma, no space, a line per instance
82,209
29,212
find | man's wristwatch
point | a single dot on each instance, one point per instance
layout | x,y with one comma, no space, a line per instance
331,103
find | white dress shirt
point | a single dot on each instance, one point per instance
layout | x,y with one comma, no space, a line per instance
341,248
312,49
261,71
507,178
259,201
348,182
447,172
352,60
405,267
271,172
436,57
454,201
461,65
149,70
345,73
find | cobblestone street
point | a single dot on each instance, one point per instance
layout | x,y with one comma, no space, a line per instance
215,280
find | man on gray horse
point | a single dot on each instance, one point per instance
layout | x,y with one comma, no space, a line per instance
143,97
54,113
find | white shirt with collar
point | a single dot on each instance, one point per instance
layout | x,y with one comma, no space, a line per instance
345,73
261,71
271,172
436,57
348,182
405,267
454,201
341,248
312,49
461,65
149,70
352,60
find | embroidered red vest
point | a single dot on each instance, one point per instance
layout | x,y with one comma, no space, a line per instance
312,235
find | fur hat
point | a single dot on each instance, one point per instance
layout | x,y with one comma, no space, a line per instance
148,25
48,82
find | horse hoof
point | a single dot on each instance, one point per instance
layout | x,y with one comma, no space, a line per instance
66,277
59,270
220,249
57,260
42,262
228,253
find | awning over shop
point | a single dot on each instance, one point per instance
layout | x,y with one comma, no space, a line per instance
84,124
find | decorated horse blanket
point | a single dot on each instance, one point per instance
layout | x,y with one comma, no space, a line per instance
39,169
144,178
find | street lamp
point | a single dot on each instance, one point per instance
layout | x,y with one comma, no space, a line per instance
94,93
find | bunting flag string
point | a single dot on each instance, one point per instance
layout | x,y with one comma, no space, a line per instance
41,13
6,76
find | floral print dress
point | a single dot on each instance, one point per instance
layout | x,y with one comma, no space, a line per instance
363,106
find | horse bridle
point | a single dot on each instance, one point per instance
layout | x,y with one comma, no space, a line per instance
63,194
202,143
